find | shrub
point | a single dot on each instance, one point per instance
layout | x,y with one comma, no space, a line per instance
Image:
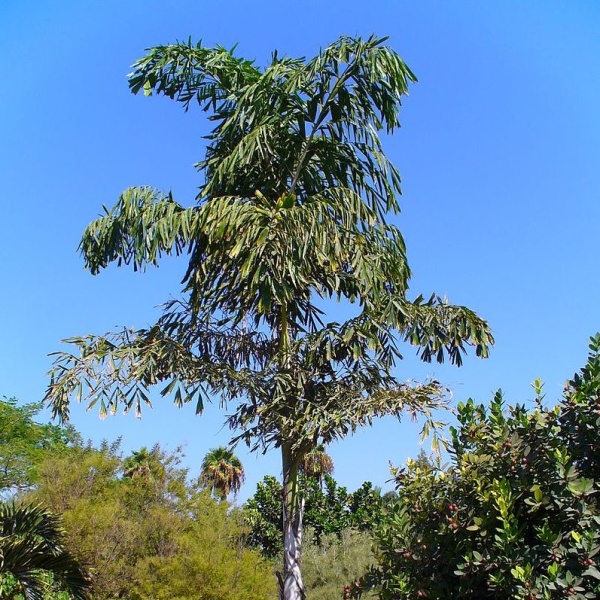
515,515
338,559
329,510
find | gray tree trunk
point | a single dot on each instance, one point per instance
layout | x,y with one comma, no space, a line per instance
291,586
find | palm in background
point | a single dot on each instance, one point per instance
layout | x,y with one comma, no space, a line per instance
145,464
222,472
137,465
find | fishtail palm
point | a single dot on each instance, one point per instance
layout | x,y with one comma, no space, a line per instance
292,210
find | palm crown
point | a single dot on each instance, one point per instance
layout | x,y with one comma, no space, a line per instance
222,471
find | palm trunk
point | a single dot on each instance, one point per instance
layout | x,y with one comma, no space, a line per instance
290,584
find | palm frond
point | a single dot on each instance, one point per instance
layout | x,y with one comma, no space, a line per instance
142,226
186,72
31,547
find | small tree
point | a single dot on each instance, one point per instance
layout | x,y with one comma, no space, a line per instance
265,520
24,443
141,463
296,189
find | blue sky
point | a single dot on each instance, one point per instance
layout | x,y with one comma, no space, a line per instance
499,153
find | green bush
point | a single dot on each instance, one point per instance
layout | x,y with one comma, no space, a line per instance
515,515
207,562
153,534
338,559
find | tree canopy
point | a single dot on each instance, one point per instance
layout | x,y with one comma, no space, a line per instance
264,242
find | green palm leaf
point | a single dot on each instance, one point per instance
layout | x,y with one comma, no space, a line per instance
32,553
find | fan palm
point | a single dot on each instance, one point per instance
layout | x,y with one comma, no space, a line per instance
138,464
222,471
145,464
292,209
32,558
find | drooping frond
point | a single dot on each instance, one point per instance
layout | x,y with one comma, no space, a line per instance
439,331
142,226
331,410
437,328
187,72
118,369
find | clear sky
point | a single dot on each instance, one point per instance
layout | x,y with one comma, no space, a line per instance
499,152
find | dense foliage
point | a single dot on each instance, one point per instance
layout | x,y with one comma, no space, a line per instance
146,531
141,525
329,510
515,515
24,442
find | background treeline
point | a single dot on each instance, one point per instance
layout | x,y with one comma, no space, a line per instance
514,514
144,528
139,524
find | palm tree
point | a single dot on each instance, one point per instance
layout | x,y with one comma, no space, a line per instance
137,465
222,472
145,465
32,557
293,208
317,463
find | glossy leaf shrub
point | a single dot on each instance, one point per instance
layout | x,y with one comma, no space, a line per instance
515,515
